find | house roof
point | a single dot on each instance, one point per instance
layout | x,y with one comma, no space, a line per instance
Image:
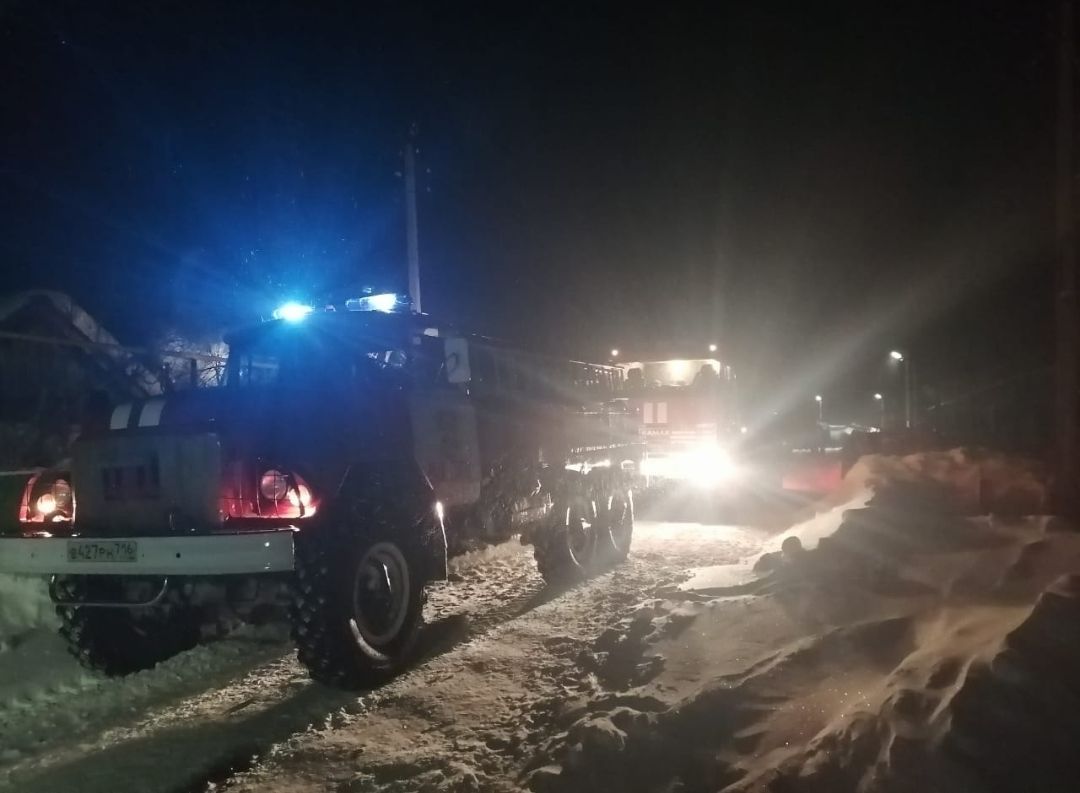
78,327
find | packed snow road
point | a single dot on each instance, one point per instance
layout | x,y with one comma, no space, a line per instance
502,662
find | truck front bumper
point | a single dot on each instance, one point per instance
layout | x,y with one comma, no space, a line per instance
211,554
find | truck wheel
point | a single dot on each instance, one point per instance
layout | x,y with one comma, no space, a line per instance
615,525
117,641
357,604
566,552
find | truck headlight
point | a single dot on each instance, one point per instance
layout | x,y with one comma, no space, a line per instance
273,485
703,465
46,504
48,500
710,465
288,494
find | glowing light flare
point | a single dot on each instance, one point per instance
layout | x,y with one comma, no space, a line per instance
384,302
896,355
301,496
46,504
679,370
706,465
292,311
878,397
712,348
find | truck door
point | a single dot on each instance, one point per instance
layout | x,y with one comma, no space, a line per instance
444,430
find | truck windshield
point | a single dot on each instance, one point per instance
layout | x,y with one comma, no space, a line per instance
286,357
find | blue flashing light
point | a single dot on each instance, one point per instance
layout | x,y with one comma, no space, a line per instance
387,302
384,302
292,312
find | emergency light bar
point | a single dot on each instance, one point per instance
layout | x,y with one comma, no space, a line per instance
292,312
384,302
387,302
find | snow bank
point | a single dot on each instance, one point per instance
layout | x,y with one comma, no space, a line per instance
24,606
895,646
969,482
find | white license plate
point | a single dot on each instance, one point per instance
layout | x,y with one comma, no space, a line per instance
102,550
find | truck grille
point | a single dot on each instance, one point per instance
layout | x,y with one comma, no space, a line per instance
137,482
147,483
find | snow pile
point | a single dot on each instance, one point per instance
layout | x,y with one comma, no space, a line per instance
24,606
969,482
911,650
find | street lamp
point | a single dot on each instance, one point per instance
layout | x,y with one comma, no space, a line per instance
820,407
614,353
899,357
881,403
712,348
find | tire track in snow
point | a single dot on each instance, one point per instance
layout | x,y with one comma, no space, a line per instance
200,718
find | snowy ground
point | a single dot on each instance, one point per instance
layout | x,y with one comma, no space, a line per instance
916,633
501,659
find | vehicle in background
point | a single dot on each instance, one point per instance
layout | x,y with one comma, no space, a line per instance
348,456
689,421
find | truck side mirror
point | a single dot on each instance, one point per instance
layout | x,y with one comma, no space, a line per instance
457,360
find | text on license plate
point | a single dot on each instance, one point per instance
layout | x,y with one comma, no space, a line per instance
102,550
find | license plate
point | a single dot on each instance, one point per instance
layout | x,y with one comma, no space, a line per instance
102,550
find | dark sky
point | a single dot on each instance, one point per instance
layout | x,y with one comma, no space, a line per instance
807,184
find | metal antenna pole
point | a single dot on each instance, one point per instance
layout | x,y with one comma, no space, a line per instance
412,241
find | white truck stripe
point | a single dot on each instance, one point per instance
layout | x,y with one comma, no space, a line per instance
120,417
151,413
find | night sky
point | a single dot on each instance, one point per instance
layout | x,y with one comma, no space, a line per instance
807,184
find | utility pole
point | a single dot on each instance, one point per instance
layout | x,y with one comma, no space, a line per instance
1068,345
412,240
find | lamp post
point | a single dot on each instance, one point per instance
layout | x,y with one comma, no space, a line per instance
899,357
614,353
881,404
820,407
713,347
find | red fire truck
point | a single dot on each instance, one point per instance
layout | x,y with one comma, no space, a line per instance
689,420
350,453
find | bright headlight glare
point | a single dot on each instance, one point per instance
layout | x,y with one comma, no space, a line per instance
46,504
711,466
706,465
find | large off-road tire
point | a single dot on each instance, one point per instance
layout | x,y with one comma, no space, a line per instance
615,525
119,641
566,551
358,599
